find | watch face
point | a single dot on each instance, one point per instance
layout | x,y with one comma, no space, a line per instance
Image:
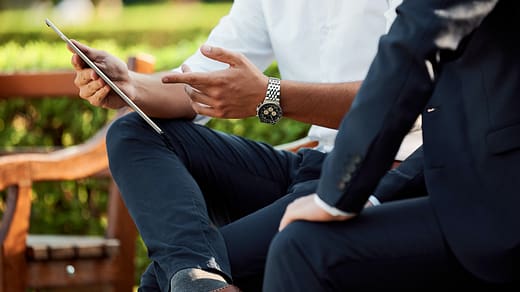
269,112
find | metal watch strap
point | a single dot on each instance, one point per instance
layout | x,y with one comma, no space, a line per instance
269,110
273,90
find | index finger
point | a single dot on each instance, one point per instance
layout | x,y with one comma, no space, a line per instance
191,78
76,61
287,216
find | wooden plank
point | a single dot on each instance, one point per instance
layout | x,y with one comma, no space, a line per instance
296,145
38,84
13,239
58,165
122,227
70,273
62,247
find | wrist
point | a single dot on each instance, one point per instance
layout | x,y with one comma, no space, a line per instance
330,209
262,85
136,86
270,110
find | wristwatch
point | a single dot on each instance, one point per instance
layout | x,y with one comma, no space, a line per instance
270,111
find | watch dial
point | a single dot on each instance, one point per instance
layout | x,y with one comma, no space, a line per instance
269,113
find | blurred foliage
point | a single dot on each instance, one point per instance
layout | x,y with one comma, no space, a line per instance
169,32
70,207
156,25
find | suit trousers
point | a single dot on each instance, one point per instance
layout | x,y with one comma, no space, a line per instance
396,246
210,200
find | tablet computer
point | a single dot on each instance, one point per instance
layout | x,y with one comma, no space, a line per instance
104,77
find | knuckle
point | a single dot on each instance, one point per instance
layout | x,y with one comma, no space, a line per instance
82,94
98,97
219,114
239,58
216,92
189,78
76,81
220,80
219,107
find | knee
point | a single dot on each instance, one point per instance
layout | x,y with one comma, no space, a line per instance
124,128
288,242
125,137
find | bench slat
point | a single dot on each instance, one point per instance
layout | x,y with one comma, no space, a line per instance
63,247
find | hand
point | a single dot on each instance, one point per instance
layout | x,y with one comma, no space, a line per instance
231,93
305,208
91,86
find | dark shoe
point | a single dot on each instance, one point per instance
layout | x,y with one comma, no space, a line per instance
228,288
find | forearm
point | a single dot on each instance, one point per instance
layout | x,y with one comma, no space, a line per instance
161,100
322,104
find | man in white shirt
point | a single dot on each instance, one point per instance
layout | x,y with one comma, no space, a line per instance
323,50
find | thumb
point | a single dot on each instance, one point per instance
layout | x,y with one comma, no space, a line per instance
91,53
84,48
77,62
221,55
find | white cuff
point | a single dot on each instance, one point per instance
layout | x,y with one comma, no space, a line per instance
329,209
374,201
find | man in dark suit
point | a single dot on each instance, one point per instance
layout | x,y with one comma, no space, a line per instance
456,62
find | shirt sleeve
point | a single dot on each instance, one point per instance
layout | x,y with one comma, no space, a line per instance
243,30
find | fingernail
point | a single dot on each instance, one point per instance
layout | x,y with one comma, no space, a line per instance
206,48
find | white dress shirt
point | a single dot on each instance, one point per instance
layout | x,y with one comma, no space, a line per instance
311,40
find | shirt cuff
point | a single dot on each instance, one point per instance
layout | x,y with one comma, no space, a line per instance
329,209
374,201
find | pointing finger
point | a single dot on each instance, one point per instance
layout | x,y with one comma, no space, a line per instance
192,78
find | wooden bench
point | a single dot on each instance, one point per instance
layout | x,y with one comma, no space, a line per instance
54,261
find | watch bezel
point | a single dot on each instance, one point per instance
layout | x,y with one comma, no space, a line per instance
269,119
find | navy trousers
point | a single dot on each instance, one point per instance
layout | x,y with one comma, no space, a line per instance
211,200
396,246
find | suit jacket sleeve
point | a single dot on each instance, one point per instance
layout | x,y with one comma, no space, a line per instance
398,85
404,181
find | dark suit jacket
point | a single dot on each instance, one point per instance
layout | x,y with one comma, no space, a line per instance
456,62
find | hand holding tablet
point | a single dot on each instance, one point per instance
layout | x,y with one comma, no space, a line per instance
104,77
